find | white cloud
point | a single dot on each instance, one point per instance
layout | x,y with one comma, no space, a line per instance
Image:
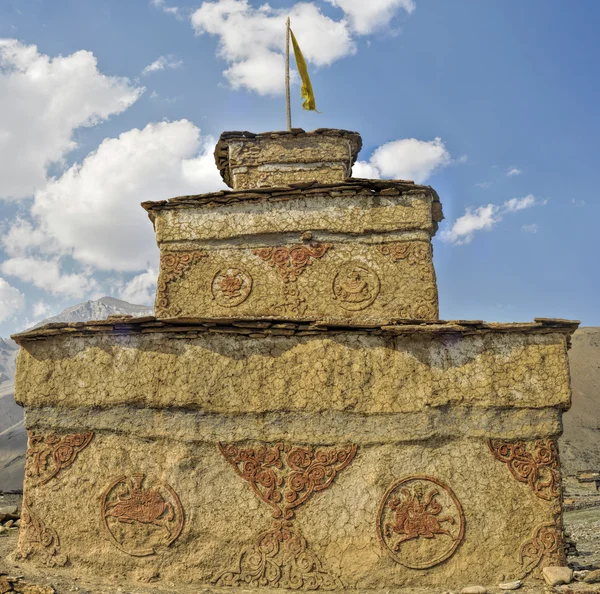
252,40
528,201
47,275
482,218
484,185
42,101
365,16
11,300
530,228
140,289
512,171
173,10
92,211
409,159
42,310
485,218
161,63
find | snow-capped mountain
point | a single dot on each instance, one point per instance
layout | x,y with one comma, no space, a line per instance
98,310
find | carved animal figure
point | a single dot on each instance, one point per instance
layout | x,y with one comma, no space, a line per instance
142,505
417,515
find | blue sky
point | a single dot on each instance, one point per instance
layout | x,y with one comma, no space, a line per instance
505,87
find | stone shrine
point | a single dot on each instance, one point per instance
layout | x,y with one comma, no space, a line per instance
296,416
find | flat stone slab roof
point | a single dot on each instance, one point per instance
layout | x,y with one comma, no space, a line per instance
287,327
349,188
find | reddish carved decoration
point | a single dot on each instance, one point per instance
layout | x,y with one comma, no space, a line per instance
230,287
418,254
355,286
154,514
291,262
38,540
420,522
284,477
544,548
414,252
534,463
173,266
47,455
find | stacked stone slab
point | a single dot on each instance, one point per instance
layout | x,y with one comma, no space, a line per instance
296,416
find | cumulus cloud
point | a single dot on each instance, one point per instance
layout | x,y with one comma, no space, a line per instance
409,159
92,211
252,40
42,101
479,219
485,218
162,63
512,171
11,300
42,309
47,275
366,16
141,288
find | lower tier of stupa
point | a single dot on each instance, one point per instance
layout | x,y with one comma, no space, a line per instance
277,454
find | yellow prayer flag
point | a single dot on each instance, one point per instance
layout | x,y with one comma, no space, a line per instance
307,90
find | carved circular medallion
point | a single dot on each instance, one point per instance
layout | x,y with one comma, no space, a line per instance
231,286
420,522
355,285
139,520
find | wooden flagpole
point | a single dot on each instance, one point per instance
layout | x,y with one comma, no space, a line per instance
288,109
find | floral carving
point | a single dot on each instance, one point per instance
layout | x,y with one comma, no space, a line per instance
420,522
173,265
544,548
355,286
47,455
418,254
535,464
231,286
284,477
414,252
291,262
139,520
38,540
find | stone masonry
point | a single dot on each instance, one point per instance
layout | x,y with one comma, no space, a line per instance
296,416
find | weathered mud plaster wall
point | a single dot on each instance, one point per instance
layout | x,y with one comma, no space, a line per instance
273,159
296,416
359,251
342,425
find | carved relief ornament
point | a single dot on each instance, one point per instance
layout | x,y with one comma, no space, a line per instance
284,477
355,286
38,540
420,522
291,262
173,266
533,463
139,520
544,548
48,455
423,305
230,287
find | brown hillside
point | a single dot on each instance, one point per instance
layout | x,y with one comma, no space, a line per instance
580,443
